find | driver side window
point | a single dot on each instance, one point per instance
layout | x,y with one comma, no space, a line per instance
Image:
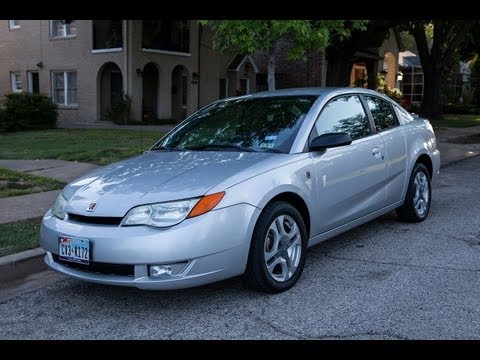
344,114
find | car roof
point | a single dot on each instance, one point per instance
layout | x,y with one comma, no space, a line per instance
317,91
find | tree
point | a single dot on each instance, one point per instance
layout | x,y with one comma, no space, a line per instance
409,41
475,79
451,38
341,50
248,36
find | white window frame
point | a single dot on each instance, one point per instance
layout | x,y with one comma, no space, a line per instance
30,81
65,36
14,81
12,25
65,87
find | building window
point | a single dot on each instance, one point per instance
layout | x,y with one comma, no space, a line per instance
58,29
166,35
16,81
107,34
61,81
13,24
33,82
412,84
222,88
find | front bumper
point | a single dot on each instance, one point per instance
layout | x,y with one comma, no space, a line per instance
205,249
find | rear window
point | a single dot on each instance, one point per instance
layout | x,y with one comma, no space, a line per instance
382,112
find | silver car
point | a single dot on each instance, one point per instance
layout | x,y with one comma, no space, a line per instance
243,187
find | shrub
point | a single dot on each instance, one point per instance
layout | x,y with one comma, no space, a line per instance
26,111
119,111
414,108
382,87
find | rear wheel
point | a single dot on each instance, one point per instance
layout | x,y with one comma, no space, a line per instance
278,249
418,197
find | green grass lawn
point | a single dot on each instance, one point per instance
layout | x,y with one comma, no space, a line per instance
13,183
19,236
458,121
96,146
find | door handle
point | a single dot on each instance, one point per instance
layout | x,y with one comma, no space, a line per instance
376,152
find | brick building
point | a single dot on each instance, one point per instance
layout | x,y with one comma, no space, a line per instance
167,67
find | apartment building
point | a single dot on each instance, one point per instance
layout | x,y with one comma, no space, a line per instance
167,67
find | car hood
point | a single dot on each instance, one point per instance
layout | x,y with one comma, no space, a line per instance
155,176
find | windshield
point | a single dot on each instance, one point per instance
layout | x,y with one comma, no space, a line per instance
267,124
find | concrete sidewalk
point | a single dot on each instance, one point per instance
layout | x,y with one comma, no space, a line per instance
444,134
17,266
452,152
34,205
57,169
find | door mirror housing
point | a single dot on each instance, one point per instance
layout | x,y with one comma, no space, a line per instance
330,140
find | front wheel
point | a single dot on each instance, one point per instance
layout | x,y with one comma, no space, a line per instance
418,197
278,249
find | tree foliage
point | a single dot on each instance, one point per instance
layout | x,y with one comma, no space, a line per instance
409,41
451,40
248,36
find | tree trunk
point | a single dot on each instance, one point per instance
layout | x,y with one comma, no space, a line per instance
431,104
271,70
432,68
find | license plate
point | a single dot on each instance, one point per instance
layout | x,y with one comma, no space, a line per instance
74,249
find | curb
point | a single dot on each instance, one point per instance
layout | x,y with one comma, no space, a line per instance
457,161
19,265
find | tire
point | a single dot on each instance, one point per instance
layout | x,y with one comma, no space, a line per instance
418,197
285,254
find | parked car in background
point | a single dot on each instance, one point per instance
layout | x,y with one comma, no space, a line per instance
243,187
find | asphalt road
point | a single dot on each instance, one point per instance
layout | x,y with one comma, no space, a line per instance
383,280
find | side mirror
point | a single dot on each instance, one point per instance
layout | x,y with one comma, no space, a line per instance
330,140
414,115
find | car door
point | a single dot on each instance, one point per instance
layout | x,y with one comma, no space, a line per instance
350,180
387,125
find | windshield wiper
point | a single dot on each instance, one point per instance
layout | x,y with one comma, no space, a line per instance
275,151
166,148
219,146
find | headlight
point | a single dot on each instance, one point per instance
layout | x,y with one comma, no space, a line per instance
58,207
160,215
171,213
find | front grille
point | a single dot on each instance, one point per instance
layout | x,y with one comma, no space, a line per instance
98,267
97,220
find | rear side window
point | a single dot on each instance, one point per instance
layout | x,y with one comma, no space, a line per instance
404,115
343,114
382,112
